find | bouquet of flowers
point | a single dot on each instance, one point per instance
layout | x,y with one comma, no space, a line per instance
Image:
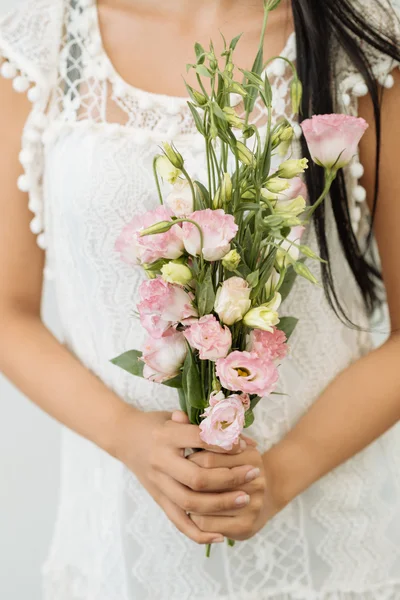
221,256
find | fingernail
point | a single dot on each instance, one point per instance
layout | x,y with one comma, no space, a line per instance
218,540
242,500
253,474
242,445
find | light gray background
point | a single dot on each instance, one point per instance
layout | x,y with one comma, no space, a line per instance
29,477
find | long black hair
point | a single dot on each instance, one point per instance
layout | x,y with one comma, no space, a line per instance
320,25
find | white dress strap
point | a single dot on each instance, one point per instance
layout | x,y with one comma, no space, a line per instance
29,44
384,15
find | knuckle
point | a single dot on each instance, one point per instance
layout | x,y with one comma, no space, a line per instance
186,503
199,482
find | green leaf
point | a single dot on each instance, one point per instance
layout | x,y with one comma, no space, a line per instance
288,283
253,278
202,194
248,418
252,77
203,71
182,400
267,91
287,325
200,53
254,401
248,206
176,382
252,92
130,362
206,294
192,384
218,112
248,245
234,42
197,119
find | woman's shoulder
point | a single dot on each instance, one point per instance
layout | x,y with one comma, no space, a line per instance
378,17
30,36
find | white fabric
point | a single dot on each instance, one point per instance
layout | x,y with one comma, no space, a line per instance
89,170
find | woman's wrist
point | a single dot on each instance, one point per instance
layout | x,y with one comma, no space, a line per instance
290,469
113,438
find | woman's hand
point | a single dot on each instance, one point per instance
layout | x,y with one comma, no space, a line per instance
262,506
153,447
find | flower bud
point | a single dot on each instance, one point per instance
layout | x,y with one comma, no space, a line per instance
272,283
166,169
178,273
161,227
237,88
245,155
231,260
264,317
291,208
267,195
173,155
276,185
271,4
296,93
224,193
292,168
233,118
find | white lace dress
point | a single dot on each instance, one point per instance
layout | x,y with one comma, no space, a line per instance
87,151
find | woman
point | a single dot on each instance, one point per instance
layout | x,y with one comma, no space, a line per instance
314,505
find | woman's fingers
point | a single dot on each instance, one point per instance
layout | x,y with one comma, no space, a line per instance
200,479
179,435
200,502
230,527
187,526
212,460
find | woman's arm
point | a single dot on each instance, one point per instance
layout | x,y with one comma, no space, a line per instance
362,402
150,443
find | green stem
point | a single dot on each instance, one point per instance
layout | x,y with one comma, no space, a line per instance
187,177
157,179
260,48
200,232
329,178
208,550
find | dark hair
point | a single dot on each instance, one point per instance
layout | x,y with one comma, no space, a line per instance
319,24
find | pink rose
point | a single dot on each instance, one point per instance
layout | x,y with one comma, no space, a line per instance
268,344
163,305
218,231
247,372
223,422
332,136
136,250
164,357
209,337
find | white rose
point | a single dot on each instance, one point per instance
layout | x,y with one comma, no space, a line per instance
232,300
264,317
180,200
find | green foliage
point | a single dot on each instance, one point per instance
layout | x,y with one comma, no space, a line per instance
131,362
288,325
192,385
